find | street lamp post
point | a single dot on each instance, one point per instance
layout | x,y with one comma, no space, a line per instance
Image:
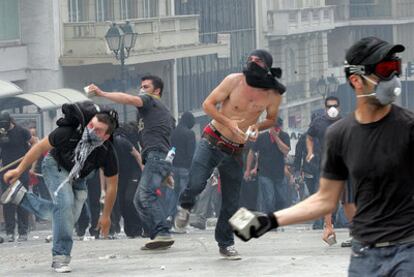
327,85
121,39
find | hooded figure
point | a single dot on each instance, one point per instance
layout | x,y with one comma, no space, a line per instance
183,139
187,119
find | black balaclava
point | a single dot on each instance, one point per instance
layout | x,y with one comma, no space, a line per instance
187,119
259,77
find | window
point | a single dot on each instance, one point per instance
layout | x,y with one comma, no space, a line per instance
147,8
74,11
103,10
9,20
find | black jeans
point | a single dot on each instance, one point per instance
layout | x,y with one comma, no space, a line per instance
126,191
91,209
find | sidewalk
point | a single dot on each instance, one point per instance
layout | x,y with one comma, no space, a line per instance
296,251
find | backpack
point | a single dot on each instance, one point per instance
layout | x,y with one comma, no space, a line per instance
79,114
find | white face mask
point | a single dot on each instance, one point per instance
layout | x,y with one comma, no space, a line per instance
332,112
385,91
142,91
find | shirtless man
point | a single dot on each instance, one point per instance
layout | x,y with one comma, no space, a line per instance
242,97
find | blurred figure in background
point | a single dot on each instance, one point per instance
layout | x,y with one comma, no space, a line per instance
184,141
15,141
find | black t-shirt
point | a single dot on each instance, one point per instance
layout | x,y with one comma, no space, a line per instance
155,124
183,139
64,141
127,163
378,158
16,146
271,159
317,129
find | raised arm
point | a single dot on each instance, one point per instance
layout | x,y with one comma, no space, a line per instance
118,97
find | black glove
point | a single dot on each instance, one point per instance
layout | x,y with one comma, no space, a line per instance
267,222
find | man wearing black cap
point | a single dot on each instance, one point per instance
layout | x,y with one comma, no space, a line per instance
373,148
242,98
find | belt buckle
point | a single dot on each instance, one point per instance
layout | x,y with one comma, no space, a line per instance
383,244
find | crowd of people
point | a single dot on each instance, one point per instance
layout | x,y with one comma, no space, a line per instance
155,176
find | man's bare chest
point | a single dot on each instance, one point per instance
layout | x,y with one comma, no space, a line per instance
249,100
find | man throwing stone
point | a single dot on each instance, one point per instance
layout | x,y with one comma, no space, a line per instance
155,126
242,98
72,156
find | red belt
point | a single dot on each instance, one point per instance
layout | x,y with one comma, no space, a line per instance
212,135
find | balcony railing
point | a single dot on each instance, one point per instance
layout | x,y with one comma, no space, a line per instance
397,10
300,20
85,39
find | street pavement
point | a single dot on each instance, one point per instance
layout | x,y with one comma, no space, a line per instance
293,251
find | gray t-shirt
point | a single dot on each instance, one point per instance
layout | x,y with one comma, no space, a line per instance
155,125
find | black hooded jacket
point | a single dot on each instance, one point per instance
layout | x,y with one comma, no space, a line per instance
183,139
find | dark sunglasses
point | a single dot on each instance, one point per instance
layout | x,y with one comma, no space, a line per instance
330,106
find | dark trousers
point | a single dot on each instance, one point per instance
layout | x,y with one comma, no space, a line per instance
126,191
396,260
248,194
10,211
91,209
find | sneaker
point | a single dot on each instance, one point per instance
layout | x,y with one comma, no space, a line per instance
22,238
160,242
178,231
347,243
181,218
10,238
61,264
61,268
12,195
230,253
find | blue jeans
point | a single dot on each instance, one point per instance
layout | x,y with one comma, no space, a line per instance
172,195
272,194
148,204
395,260
64,210
206,157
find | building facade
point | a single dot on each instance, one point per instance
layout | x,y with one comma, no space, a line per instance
309,39
48,44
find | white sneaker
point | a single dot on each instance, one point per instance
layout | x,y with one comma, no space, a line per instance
61,264
63,268
181,218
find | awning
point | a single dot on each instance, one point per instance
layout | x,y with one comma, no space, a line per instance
8,89
45,100
71,94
